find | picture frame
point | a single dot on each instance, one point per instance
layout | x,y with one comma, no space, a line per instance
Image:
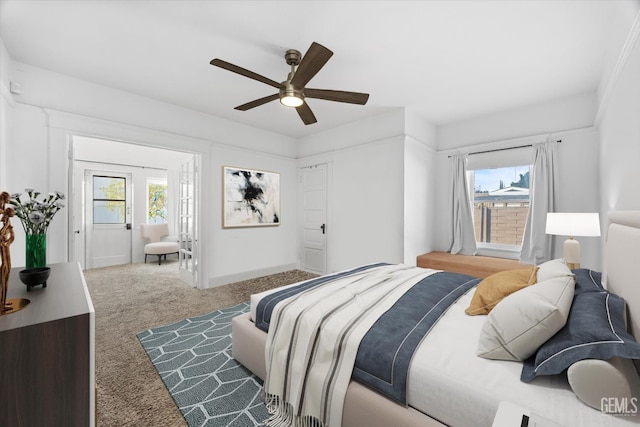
251,198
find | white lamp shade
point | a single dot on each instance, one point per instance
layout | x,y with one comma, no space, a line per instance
573,224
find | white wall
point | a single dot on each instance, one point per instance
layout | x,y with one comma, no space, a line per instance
25,165
624,29
561,114
579,190
62,93
620,138
361,132
367,194
420,182
5,119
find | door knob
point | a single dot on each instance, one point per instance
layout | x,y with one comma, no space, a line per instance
323,228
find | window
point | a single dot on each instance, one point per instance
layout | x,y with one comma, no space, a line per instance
500,201
156,202
109,200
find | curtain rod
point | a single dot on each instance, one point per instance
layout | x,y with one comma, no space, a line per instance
502,149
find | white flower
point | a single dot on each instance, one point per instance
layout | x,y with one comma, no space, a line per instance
36,217
36,214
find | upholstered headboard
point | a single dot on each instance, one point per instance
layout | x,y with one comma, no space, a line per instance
622,263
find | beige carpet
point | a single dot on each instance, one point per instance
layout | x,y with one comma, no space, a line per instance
132,298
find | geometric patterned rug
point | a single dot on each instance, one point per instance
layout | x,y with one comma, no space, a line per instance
193,358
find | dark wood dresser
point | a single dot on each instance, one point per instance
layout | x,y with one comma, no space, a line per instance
47,353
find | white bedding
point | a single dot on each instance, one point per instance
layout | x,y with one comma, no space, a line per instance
450,383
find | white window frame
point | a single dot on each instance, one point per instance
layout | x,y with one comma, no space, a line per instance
162,181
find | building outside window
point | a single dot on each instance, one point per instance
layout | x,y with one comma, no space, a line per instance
156,202
500,200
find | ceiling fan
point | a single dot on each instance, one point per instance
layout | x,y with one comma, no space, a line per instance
292,92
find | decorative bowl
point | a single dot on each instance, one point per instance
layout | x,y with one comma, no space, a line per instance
35,276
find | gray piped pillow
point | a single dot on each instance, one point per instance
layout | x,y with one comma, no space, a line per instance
595,329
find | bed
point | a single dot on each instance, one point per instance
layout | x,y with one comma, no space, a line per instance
456,387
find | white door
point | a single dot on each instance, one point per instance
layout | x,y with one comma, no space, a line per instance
77,225
188,255
313,183
107,218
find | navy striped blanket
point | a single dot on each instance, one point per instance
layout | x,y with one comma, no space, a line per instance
385,352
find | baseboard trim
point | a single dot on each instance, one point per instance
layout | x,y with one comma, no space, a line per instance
247,275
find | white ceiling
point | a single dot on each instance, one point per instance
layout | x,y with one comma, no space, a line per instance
445,60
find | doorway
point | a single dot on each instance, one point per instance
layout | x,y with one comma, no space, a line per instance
105,219
108,218
313,188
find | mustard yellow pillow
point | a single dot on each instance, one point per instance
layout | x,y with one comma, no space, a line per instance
494,288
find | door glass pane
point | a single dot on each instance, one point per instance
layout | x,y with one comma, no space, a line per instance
108,188
109,194
108,212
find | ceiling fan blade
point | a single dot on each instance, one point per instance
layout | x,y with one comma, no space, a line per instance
244,72
306,114
337,95
257,102
311,63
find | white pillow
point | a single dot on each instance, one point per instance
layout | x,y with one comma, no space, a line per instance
552,269
593,380
526,319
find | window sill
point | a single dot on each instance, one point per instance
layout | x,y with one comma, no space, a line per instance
499,251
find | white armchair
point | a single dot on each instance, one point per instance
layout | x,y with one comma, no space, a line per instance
154,233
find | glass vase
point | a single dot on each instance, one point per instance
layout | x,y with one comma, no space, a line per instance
36,255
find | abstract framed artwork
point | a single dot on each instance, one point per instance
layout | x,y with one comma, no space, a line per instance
251,198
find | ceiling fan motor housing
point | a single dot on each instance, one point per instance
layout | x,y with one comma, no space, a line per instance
292,57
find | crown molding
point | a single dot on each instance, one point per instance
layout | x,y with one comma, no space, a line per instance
632,39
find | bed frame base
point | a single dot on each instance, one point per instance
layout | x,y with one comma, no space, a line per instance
362,405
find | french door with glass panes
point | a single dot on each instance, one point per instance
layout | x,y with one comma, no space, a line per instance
108,218
187,222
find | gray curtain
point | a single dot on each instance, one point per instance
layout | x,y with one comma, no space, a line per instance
537,246
463,239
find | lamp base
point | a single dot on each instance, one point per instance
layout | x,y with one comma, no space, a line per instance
572,253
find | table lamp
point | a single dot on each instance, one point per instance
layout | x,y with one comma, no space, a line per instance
572,225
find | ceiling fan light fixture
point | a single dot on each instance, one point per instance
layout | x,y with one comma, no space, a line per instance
290,97
291,100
